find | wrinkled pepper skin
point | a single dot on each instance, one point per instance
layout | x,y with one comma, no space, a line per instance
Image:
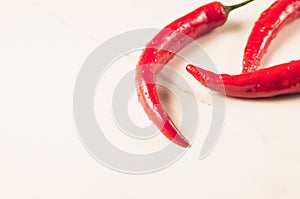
270,22
278,80
162,48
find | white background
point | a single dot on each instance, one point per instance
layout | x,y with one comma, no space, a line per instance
43,44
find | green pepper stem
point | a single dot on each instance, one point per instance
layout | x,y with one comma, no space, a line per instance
228,9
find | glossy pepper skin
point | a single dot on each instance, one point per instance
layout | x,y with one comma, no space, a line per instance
162,48
278,80
265,30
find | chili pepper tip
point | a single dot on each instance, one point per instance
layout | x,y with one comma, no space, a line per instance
197,73
190,68
229,8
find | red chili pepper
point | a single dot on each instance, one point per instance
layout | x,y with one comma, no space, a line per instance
277,80
162,48
265,30
282,79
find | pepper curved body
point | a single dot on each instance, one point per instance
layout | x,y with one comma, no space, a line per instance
278,80
162,48
270,22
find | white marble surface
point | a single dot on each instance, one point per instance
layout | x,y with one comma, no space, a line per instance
43,44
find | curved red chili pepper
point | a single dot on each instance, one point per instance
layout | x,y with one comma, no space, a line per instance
282,79
265,30
162,48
